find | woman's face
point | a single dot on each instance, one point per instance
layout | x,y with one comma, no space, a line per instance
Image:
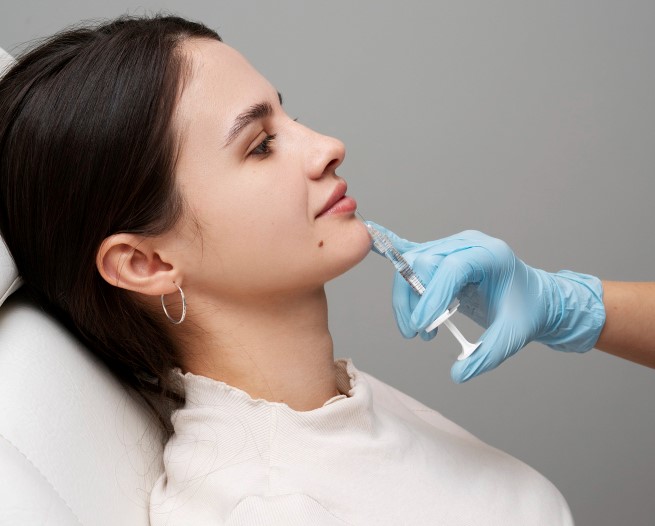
256,183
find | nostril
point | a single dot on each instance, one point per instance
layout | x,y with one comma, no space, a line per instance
332,165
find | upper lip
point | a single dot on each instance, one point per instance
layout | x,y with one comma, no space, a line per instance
339,191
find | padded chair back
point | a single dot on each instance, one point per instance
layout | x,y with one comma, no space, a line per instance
75,447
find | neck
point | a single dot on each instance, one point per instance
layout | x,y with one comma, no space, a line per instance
278,349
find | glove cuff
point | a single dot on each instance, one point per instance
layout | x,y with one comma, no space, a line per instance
582,314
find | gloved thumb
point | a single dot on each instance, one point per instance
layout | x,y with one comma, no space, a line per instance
402,245
500,341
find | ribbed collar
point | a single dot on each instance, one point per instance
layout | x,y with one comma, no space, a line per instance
215,399
201,390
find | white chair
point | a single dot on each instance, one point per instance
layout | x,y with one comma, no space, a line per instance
75,447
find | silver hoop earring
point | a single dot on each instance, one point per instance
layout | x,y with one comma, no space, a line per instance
173,321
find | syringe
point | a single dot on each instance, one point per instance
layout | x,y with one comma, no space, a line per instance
383,245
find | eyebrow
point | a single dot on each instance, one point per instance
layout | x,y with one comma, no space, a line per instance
261,110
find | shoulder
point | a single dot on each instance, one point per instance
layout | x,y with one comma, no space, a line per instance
520,491
401,404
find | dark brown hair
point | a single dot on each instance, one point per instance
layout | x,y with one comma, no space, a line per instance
88,149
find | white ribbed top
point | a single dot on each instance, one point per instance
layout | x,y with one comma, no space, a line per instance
370,456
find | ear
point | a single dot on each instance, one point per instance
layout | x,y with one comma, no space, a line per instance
131,262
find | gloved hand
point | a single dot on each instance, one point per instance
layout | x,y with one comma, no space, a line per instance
513,301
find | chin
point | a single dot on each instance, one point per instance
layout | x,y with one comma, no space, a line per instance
352,248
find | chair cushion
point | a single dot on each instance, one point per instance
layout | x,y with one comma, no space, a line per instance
73,441
9,280
6,60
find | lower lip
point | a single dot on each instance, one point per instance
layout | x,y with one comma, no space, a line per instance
345,205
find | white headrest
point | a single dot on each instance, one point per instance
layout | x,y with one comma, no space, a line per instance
9,280
6,60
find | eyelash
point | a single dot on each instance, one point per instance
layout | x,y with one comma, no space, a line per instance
264,147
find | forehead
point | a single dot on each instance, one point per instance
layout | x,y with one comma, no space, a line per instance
220,83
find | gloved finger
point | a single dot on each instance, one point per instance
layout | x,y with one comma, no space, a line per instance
500,341
454,272
403,300
440,247
425,265
405,303
427,336
402,245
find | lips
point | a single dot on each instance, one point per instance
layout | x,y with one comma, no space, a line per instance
338,194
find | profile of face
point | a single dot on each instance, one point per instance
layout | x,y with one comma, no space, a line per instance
261,187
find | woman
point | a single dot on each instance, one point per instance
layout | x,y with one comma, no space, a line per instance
184,227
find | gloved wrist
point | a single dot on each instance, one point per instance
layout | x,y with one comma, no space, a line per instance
581,312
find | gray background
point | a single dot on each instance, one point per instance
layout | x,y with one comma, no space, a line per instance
534,122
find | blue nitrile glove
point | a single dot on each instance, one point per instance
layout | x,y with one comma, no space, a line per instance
513,301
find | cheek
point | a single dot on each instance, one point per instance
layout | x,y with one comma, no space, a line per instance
255,242
266,259
262,241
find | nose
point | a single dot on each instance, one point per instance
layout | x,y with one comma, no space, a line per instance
324,156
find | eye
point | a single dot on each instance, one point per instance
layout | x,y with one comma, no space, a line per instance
264,147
